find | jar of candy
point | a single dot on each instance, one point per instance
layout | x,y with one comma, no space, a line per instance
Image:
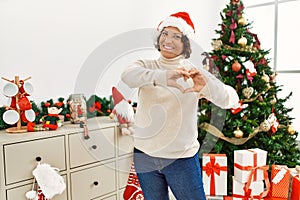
78,111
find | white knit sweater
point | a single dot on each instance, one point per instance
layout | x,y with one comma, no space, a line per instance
166,118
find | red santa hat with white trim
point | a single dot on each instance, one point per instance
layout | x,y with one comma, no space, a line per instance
117,96
181,20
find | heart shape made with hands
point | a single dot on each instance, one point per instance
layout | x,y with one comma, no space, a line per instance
186,81
185,84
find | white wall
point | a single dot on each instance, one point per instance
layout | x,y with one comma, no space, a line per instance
51,40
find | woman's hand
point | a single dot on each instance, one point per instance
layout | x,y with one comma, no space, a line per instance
174,75
198,79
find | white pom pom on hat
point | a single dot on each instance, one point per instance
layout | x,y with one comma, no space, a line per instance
181,20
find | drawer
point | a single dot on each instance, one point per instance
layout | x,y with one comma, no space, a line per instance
20,158
124,166
114,197
19,193
125,143
100,146
93,182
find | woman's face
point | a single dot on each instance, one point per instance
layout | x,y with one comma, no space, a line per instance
170,42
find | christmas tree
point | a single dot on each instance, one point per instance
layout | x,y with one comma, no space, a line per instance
262,121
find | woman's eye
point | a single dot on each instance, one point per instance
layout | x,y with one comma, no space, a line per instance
177,37
164,33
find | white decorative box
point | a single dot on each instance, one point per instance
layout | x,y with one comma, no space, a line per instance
255,190
214,174
249,160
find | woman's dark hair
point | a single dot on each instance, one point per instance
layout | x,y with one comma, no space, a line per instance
186,45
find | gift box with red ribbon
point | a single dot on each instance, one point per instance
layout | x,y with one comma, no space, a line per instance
250,162
280,178
214,173
253,190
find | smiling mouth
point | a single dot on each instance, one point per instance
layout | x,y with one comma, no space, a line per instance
168,47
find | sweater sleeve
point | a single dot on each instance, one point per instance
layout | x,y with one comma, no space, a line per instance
137,75
219,93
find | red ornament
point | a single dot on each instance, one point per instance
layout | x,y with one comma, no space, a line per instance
234,2
236,66
238,109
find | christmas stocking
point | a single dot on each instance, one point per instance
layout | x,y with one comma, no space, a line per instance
133,189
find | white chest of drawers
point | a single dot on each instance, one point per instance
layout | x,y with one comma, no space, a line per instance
96,168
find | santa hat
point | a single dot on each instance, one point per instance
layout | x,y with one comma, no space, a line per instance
117,96
181,20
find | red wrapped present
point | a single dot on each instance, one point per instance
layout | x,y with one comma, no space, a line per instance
294,193
214,167
280,181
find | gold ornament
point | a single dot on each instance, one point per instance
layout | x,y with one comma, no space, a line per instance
206,67
265,77
247,92
216,44
273,101
242,41
242,21
238,133
265,126
291,130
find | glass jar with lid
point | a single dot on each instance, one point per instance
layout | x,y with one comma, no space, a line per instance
78,111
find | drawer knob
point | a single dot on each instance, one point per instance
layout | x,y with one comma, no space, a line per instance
96,183
38,158
94,146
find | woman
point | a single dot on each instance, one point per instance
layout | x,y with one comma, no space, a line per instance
165,140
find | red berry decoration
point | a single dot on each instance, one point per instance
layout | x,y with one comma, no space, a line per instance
236,66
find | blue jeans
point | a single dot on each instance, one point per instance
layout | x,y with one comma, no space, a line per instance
183,176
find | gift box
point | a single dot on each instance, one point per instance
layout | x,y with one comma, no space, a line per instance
249,165
294,192
214,174
243,191
295,195
280,181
